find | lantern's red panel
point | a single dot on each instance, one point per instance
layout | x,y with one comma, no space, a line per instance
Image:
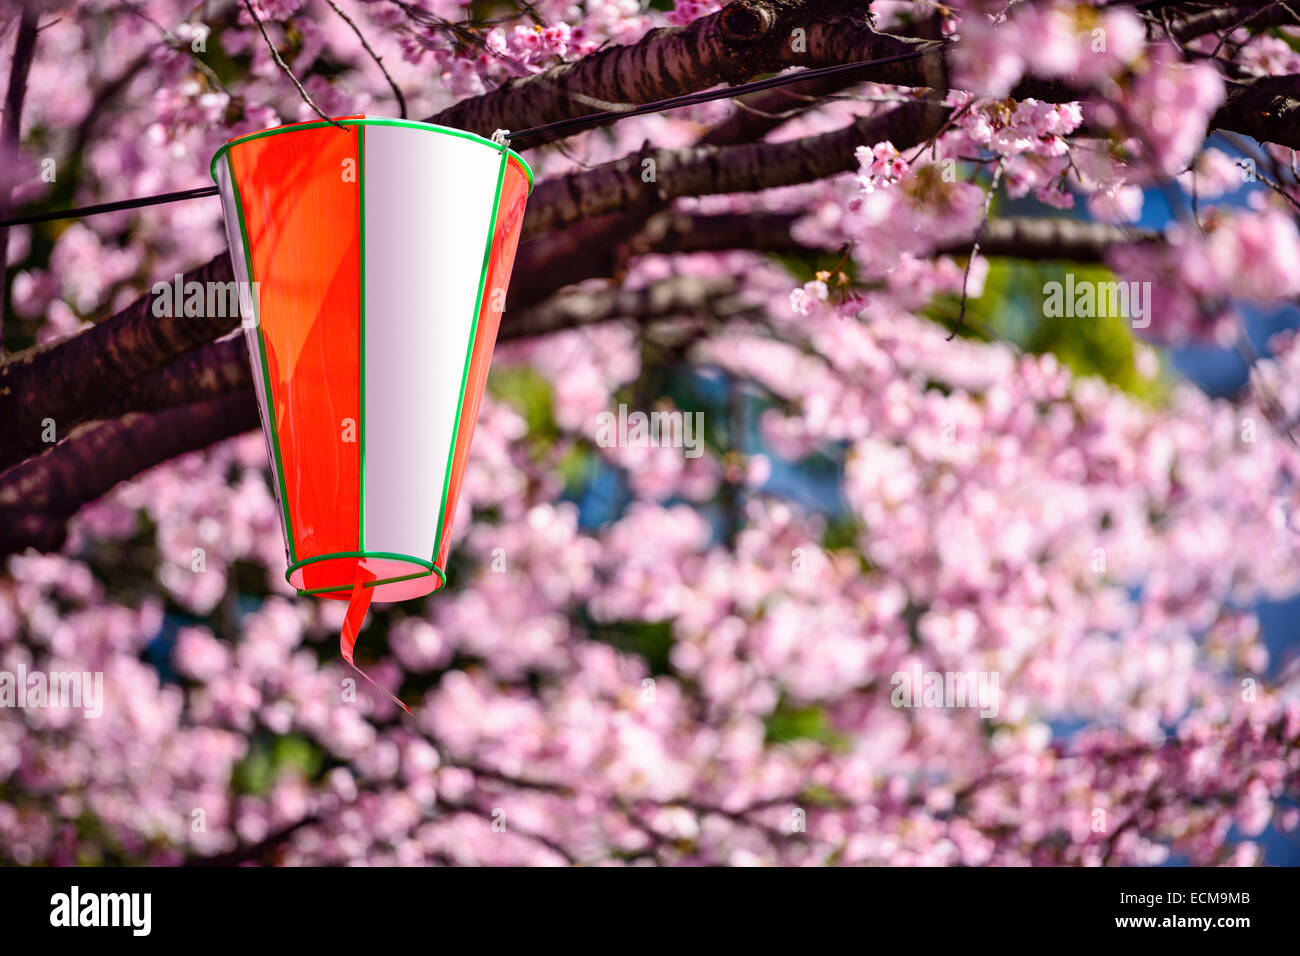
302,214
515,186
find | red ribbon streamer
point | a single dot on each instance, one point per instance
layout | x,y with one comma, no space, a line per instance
358,605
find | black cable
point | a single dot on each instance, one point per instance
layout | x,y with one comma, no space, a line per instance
574,123
110,206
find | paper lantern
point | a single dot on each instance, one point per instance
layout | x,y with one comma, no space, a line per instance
373,255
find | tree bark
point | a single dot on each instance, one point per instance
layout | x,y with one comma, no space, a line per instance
706,170
743,40
39,495
85,370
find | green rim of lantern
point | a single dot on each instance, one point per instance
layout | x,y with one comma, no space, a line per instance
429,566
370,121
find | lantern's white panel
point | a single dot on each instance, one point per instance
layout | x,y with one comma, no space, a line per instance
428,211
239,260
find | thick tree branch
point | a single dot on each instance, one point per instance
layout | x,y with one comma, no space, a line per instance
671,231
1266,109
599,246
1188,25
39,495
750,37
586,250
209,372
743,40
1017,237
671,298
1072,240
85,370
704,170
758,114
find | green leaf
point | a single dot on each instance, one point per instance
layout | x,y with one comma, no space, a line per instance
789,722
270,756
528,392
1011,308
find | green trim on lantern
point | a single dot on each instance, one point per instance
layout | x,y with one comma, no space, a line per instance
361,308
371,121
312,592
274,442
429,566
469,353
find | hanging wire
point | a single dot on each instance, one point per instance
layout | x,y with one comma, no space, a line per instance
95,210
572,124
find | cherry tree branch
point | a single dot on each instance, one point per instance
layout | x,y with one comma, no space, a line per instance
83,371
1072,240
654,176
39,495
758,114
743,40
750,37
1268,109
670,298
1013,237
1188,25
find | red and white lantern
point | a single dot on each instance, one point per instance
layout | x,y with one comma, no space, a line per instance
376,254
